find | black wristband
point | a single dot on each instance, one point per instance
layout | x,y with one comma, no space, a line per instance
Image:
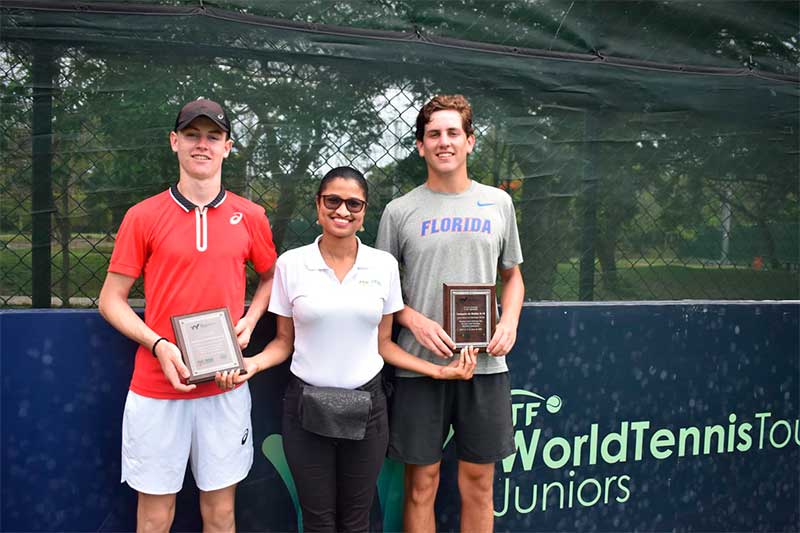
153,349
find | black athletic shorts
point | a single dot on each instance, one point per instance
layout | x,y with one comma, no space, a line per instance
479,410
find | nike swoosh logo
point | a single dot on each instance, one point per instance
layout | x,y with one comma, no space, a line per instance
484,204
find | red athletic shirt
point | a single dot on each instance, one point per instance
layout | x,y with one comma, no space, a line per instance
193,259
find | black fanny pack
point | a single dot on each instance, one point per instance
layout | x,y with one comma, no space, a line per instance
335,412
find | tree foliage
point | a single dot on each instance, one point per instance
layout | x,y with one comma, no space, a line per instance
624,165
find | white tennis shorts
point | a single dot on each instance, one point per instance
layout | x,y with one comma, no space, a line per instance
159,436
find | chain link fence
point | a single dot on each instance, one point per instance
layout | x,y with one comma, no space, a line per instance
612,203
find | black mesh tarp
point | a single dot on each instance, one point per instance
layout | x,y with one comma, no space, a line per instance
651,148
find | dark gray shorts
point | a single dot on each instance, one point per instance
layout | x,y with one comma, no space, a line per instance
423,409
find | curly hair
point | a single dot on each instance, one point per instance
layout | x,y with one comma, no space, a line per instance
454,102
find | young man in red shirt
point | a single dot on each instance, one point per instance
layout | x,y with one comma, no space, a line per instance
191,243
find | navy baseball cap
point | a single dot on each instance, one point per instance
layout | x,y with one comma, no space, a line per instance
203,107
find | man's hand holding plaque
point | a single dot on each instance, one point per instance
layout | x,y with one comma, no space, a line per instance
470,313
208,343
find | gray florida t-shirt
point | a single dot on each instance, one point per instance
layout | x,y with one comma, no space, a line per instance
448,238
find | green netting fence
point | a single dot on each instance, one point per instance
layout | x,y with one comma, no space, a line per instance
651,149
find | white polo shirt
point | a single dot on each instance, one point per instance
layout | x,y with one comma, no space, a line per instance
335,324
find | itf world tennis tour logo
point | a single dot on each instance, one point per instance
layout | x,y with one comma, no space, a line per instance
586,466
557,460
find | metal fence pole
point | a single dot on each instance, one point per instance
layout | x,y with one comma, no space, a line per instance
42,167
588,208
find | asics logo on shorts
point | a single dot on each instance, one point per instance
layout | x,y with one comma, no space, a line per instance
244,437
236,218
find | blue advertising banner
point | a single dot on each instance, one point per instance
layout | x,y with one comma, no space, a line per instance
653,418
647,416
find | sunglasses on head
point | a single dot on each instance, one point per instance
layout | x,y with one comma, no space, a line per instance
332,201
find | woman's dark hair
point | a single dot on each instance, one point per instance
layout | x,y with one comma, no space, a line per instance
347,173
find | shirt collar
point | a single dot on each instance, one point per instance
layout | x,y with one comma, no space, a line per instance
314,260
187,204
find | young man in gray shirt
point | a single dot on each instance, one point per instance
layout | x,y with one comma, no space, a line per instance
451,230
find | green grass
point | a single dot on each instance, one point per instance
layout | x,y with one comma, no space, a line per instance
87,272
671,282
654,281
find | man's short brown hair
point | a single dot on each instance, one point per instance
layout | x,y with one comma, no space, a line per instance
454,102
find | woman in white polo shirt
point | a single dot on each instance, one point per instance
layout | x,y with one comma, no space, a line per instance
334,301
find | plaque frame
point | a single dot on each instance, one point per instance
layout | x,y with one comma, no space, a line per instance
231,355
486,291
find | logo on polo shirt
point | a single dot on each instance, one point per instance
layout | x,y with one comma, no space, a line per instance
235,218
244,437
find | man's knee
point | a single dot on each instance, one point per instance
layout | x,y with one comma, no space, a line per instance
155,513
476,481
421,483
219,514
217,510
